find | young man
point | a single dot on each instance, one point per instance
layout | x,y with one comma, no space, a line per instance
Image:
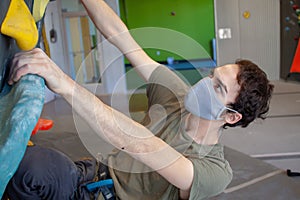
175,156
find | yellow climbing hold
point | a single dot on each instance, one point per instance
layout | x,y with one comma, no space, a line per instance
30,143
246,14
39,7
20,25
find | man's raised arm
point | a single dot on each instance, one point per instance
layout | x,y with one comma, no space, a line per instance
113,28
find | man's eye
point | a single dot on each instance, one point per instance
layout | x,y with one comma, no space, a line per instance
218,88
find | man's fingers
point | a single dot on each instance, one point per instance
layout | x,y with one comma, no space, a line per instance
22,70
25,62
17,62
27,56
17,74
35,62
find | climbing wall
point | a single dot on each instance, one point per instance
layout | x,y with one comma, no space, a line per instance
21,104
249,29
290,32
7,44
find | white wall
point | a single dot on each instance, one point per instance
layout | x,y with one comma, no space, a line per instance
256,38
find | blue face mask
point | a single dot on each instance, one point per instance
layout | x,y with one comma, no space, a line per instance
203,102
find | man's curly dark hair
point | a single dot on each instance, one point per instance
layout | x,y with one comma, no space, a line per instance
254,96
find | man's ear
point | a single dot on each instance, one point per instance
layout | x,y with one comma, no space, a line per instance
233,117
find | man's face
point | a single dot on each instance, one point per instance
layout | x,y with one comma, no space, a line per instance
225,83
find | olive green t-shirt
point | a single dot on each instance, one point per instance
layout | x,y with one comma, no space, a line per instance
135,181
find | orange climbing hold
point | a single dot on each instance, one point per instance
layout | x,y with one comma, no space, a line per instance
296,62
42,124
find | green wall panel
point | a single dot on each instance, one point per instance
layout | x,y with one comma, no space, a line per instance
194,18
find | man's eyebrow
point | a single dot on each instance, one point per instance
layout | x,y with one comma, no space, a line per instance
212,73
222,84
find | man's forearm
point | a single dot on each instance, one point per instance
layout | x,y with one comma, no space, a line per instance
110,25
111,125
113,28
119,130
106,20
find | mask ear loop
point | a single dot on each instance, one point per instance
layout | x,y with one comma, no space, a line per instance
232,110
222,111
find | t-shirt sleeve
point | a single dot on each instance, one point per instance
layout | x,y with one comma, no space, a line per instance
165,87
211,177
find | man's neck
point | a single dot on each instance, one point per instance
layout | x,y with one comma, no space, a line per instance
203,131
